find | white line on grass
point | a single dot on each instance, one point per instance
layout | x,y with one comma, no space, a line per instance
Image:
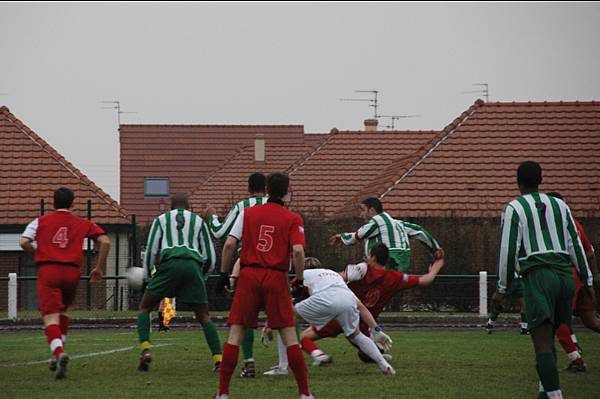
80,356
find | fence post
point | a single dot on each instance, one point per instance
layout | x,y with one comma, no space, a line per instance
12,296
483,294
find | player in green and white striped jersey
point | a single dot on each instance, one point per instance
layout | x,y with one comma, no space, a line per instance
257,188
180,252
539,233
393,233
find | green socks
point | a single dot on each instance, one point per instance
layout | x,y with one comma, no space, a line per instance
212,337
546,368
143,326
248,344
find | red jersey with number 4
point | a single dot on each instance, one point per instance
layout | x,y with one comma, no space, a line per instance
59,236
269,232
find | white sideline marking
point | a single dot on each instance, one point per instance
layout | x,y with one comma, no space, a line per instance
81,356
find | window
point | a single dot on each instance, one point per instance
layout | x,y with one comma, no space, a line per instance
156,187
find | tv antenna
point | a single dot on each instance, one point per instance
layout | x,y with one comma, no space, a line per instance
117,106
484,90
373,101
394,118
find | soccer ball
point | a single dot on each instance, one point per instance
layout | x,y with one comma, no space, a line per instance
135,278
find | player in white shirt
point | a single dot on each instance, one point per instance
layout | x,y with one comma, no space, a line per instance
331,299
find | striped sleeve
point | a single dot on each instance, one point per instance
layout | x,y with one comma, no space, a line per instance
152,247
576,251
220,230
367,231
207,248
418,232
509,248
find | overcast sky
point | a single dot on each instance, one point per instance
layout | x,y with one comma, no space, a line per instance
279,63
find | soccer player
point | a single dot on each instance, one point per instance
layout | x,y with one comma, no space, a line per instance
393,233
539,233
516,293
256,188
180,246
331,299
375,287
59,255
582,306
268,233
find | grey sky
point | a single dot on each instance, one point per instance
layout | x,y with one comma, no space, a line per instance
279,63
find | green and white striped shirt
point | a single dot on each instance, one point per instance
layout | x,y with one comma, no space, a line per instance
393,233
179,234
538,231
220,230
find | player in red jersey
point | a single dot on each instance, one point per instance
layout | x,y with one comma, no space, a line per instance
58,255
268,233
375,287
583,305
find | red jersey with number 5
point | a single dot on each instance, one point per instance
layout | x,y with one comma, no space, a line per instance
268,234
59,236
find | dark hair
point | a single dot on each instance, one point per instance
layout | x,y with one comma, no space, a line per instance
529,174
555,194
256,183
277,185
373,203
380,253
180,200
63,198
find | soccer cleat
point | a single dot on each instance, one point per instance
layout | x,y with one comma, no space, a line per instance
145,360
488,328
275,370
249,370
320,359
224,396
576,367
307,397
61,366
217,367
387,357
52,365
389,372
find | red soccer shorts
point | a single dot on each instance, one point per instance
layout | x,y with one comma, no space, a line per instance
257,287
56,287
581,301
333,329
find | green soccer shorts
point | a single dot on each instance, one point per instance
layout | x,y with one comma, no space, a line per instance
548,294
398,260
516,289
180,278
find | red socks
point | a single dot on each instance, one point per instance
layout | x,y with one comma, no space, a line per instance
228,364
308,345
54,340
298,366
64,326
564,337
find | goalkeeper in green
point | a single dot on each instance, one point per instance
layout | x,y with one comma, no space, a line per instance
393,233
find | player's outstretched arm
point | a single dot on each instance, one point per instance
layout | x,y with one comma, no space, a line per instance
298,260
434,269
103,245
382,340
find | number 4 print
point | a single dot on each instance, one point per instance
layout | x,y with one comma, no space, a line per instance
61,237
265,238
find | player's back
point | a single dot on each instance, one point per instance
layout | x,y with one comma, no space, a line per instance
269,232
317,280
60,235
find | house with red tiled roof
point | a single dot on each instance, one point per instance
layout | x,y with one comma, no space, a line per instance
31,170
159,160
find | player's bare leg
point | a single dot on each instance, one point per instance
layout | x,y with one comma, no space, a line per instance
148,303
296,360
210,333
307,338
543,344
54,336
367,346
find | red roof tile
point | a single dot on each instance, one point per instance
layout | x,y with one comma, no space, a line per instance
32,170
344,163
472,172
187,154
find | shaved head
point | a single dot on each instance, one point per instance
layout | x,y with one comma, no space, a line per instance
180,200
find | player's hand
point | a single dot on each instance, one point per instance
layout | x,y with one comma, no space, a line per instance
335,240
297,290
96,276
210,210
267,336
382,340
232,285
497,300
223,283
439,254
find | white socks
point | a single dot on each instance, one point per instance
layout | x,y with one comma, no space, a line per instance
282,350
368,346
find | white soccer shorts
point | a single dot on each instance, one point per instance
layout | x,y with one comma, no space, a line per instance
333,303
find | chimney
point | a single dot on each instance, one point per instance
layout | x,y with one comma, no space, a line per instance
259,148
371,125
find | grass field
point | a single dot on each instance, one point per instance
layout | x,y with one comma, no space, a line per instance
429,365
